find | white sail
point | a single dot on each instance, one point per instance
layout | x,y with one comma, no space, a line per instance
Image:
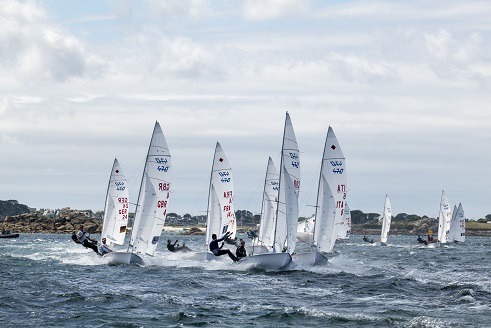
116,208
270,198
153,198
289,188
344,226
347,219
386,219
457,226
445,216
305,230
221,215
331,194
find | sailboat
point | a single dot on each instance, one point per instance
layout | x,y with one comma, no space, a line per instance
331,196
152,204
281,234
116,207
221,214
386,219
444,218
456,233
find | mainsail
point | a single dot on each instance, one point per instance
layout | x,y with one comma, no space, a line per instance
457,226
221,215
331,194
445,216
289,188
386,219
153,197
270,198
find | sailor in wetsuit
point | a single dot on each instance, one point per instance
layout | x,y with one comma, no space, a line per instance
86,240
241,251
103,248
217,250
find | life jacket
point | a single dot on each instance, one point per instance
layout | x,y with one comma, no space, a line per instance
75,239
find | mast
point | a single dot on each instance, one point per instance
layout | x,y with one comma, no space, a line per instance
279,185
314,241
133,232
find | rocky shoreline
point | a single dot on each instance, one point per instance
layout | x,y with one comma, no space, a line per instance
68,221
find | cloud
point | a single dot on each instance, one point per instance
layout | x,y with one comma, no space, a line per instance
274,9
178,9
34,49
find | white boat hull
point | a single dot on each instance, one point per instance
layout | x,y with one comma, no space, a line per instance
271,261
203,256
433,245
313,258
115,258
305,237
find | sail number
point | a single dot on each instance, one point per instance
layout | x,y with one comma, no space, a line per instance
122,200
162,204
296,184
164,186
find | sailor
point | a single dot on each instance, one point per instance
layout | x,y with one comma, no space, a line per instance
86,240
103,248
241,251
217,250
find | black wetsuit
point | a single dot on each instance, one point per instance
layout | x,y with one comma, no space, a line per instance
215,249
241,252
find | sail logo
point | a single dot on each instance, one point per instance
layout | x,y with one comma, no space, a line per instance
119,183
336,163
337,171
225,180
162,168
224,174
120,188
295,164
161,160
293,155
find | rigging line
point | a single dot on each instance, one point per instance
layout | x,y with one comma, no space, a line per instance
200,198
308,193
132,178
261,182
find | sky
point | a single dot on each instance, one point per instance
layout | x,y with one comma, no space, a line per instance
405,85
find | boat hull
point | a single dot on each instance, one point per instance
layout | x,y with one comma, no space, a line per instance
305,237
203,256
383,244
433,245
312,258
9,235
271,261
115,258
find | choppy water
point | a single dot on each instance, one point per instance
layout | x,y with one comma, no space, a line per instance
49,281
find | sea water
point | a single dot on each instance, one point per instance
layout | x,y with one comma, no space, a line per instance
49,281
